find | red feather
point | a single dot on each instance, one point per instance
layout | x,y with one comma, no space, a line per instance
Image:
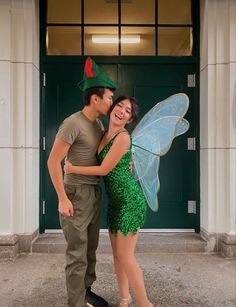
89,68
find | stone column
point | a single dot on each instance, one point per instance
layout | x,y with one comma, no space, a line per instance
19,125
218,124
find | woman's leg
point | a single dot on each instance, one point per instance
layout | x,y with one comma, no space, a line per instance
125,248
121,277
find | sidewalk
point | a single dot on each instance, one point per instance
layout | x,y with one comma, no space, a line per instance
37,280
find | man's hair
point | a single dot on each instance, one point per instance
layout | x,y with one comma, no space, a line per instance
99,91
134,106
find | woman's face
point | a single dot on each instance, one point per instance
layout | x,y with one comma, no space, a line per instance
122,113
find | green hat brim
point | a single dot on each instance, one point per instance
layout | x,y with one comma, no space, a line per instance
96,82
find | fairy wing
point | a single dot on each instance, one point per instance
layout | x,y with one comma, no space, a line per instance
145,169
153,137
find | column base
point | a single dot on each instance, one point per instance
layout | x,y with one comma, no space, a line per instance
228,246
223,243
11,245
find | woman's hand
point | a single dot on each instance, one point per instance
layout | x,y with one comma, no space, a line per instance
67,167
131,167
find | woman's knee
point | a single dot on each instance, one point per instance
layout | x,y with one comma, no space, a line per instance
124,256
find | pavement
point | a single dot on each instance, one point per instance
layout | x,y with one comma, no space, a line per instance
172,279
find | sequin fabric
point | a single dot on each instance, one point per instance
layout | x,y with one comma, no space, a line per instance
127,204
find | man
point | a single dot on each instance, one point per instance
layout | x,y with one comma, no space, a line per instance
79,196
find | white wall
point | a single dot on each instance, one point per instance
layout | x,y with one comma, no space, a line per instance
19,116
218,116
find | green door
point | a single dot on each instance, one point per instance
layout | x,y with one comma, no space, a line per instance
149,83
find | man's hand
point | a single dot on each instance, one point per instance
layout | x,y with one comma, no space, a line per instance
65,207
67,167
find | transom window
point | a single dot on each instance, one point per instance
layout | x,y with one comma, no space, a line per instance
119,27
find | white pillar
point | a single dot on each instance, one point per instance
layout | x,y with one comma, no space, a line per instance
19,117
218,119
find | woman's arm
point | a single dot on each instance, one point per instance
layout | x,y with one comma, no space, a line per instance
119,147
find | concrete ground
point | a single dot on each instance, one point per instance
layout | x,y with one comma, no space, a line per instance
190,279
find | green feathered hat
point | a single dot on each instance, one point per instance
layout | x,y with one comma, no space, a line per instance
95,77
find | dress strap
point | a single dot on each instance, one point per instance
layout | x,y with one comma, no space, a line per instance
118,134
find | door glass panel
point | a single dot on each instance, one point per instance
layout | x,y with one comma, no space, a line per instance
137,41
62,11
175,41
174,12
101,40
100,11
63,40
138,11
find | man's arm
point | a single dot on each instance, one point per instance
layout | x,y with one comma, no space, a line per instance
57,154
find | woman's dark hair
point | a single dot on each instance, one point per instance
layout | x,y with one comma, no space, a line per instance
134,106
99,91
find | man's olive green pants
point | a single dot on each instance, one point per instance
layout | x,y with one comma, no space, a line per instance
81,232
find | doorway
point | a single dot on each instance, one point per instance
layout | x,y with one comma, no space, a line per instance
149,84
164,62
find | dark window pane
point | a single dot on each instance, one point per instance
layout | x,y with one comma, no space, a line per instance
175,41
63,40
64,11
138,12
100,11
174,12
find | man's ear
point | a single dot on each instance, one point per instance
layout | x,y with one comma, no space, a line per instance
94,98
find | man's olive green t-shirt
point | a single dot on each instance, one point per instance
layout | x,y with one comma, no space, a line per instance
84,137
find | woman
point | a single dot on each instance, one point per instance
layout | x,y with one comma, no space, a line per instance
127,205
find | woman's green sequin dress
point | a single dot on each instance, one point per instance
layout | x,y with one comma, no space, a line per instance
127,204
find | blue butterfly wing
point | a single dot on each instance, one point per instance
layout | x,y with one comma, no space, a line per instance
176,105
153,137
145,168
181,127
157,136
156,140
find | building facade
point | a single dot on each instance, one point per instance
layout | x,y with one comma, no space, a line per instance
29,80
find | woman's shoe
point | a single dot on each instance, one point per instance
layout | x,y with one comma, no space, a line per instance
125,302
